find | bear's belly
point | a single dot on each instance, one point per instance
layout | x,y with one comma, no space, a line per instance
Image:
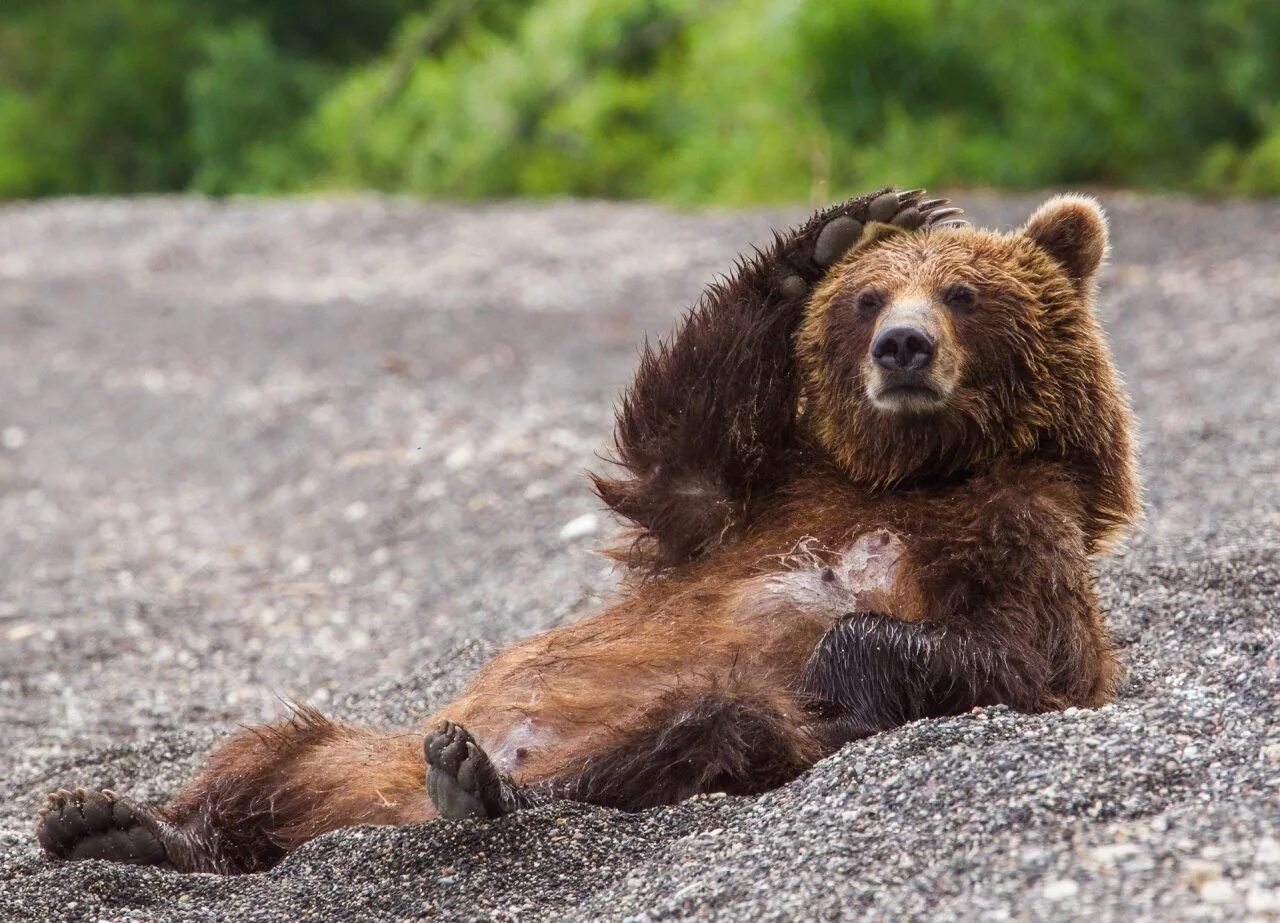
577,700
817,582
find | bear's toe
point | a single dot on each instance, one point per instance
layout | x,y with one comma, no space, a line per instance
835,239
884,207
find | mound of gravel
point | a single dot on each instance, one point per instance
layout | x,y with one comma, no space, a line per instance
334,450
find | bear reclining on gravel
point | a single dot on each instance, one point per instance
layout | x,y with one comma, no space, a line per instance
868,475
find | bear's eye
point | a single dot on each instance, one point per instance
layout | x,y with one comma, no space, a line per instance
960,297
869,301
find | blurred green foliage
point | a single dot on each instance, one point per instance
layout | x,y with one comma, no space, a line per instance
687,100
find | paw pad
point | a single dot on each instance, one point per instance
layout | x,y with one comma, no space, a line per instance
461,779
836,238
884,207
793,286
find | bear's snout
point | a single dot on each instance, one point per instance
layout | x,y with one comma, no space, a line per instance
903,349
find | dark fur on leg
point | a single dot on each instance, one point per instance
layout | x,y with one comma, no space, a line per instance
872,673
713,741
711,414
237,816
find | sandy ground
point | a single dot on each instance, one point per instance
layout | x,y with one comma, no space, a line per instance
335,451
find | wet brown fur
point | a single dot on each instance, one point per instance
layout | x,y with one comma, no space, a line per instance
752,461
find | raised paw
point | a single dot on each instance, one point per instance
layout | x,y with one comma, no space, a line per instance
908,210
461,779
834,232
85,824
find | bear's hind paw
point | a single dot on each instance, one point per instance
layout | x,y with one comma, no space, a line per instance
461,779
86,824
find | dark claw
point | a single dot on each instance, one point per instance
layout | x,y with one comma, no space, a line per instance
932,203
941,213
951,223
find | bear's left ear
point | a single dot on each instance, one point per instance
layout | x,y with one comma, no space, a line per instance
1073,230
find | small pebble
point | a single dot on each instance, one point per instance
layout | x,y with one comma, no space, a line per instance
1217,891
1060,890
13,438
584,525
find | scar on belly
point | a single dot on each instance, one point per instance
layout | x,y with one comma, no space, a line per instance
868,570
861,577
517,743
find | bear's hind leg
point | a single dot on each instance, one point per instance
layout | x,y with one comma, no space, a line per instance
737,741
264,792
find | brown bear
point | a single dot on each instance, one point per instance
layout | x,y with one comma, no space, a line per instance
867,476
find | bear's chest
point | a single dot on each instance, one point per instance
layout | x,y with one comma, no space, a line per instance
825,584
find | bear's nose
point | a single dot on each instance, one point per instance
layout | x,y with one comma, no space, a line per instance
902,349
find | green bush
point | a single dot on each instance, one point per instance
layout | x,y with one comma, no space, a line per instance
329,31
94,98
687,100
772,100
551,108
246,102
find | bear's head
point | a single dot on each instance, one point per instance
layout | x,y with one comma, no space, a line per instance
935,354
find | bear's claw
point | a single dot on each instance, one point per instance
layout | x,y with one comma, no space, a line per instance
87,824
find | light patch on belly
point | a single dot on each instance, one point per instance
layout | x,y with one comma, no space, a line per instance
862,577
514,746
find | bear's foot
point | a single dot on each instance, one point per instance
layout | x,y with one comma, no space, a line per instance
461,779
85,824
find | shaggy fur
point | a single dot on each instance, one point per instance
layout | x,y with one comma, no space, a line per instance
710,419
824,548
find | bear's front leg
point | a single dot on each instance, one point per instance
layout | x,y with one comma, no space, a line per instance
1007,616
872,673
705,428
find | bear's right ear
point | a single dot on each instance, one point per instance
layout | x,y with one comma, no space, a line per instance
1073,230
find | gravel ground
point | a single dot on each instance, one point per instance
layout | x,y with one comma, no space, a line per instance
334,450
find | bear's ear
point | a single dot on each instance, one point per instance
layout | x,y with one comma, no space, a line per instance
1073,230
